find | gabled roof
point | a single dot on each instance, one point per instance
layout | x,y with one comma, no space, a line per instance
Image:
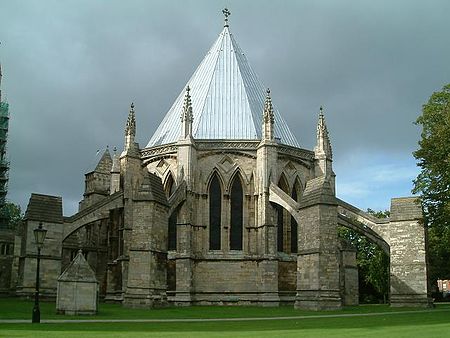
78,270
102,163
227,100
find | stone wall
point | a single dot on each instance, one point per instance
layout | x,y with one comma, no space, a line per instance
409,286
287,279
6,260
349,278
50,265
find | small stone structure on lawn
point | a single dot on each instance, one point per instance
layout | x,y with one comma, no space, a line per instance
77,289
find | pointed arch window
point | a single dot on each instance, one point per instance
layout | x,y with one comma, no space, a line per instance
215,213
280,221
173,231
281,217
294,225
237,214
170,185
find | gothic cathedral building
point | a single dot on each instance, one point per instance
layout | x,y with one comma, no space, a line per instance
222,206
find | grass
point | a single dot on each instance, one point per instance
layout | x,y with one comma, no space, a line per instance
409,323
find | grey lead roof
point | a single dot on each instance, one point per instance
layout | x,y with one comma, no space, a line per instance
227,100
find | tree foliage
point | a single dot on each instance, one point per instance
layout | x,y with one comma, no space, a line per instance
433,157
12,215
373,264
433,182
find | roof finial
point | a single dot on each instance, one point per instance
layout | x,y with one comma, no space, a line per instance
227,13
130,128
323,139
268,109
186,114
268,118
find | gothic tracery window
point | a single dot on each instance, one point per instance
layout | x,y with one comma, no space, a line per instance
172,235
294,225
170,185
236,218
215,213
281,216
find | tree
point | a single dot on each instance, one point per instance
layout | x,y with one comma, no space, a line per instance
433,156
373,264
12,215
433,182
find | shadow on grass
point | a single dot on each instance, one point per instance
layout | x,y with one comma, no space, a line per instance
387,320
13,308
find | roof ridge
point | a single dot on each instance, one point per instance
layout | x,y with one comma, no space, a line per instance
197,123
234,42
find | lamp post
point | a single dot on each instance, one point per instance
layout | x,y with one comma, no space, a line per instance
39,236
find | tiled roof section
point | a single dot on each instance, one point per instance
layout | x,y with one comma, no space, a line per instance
151,190
105,163
78,271
227,100
102,162
44,208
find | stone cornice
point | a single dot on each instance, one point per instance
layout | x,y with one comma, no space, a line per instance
227,145
159,150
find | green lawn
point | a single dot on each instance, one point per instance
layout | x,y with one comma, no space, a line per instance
432,323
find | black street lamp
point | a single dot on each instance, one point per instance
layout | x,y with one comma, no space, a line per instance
39,236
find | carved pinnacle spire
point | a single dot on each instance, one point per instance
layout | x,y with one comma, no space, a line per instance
186,114
226,13
323,140
130,128
268,109
268,118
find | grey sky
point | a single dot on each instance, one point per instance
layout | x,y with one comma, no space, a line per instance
71,69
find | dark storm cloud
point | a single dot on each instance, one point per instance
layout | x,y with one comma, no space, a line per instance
71,69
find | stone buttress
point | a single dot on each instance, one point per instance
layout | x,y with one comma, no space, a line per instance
318,281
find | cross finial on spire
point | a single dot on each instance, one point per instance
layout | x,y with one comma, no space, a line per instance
226,13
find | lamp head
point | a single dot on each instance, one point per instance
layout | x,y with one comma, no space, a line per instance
39,235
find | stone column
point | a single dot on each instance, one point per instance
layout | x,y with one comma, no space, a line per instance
318,286
266,224
184,261
407,234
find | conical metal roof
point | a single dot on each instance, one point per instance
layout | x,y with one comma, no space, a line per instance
227,100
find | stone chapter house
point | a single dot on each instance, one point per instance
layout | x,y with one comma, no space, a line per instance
221,207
